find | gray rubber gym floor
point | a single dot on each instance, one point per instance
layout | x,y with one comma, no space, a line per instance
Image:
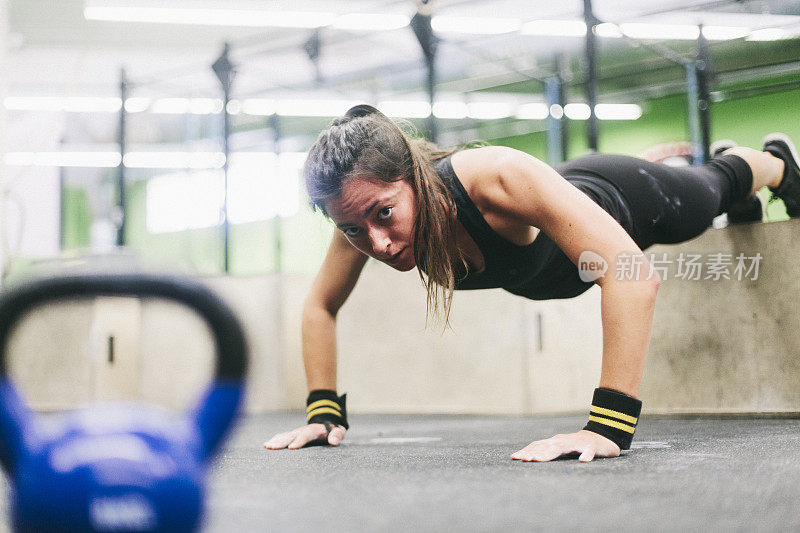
453,473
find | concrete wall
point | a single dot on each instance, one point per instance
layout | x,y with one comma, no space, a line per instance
163,351
3,78
489,361
729,345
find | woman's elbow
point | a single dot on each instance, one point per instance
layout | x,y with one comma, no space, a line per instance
314,309
655,283
647,288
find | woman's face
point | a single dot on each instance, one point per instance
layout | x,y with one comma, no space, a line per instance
378,218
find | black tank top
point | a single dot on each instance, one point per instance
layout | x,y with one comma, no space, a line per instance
538,271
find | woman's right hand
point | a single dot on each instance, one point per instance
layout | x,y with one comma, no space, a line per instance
301,436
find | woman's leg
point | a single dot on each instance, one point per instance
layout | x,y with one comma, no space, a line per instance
766,168
675,204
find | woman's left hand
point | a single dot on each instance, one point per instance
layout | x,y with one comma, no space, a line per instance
587,443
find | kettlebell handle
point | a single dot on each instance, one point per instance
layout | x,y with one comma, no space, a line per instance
215,411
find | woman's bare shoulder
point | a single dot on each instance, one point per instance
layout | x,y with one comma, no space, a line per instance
480,169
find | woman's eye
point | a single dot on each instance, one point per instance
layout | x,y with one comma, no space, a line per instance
384,213
351,232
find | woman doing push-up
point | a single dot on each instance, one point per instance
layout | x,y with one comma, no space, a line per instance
492,217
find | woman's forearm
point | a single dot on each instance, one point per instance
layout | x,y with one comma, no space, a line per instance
627,308
319,348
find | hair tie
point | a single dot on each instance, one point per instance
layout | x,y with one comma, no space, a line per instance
361,110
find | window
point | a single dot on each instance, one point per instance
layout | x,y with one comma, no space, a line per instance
261,185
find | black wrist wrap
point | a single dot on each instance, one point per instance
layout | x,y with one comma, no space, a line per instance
325,406
614,415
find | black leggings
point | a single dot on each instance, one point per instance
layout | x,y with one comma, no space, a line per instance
666,204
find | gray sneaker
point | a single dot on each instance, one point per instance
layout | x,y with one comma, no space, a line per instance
782,147
717,148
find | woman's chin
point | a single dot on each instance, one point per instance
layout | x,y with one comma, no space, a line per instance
404,266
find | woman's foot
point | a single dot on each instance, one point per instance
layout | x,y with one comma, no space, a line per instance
782,147
750,209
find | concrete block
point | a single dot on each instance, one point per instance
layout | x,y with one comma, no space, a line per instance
256,300
177,354
115,351
729,345
48,355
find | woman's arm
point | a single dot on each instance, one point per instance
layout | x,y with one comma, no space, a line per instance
511,187
335,281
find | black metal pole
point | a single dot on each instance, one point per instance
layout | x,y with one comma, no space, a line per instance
555,119
226,133
693,118
421,24
563,75
433,125
275,123
705,74
556,98
62,200
225,72
591,74
122,200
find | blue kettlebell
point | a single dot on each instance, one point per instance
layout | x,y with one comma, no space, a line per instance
118,467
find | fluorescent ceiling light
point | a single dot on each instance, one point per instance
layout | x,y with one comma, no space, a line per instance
724,33
489,110
608,30
407,109
77,159
617,111
182,160
370,22
455,110
503,106
196,160
70,104
63,159
532,111
580,111
209,17
180,106
19,159
313,108
769,34
577,111
556,28
774,34
475,25
170,106
556,111
79,104
33,103
205,106
136,105
638,30
253,158
234,107
258,106
634,30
